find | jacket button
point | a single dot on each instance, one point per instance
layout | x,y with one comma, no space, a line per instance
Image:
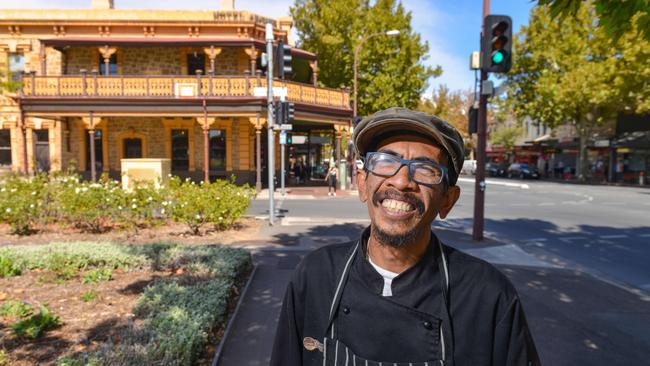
427,325
346,310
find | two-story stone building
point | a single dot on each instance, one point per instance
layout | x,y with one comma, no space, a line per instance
102,84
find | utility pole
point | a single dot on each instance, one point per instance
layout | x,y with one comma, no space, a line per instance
479,186
271,136
283,141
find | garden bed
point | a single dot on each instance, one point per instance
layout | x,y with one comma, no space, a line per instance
160,304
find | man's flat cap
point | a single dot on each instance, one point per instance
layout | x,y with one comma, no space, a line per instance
401,120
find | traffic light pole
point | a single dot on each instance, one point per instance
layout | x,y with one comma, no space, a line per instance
479,185
271,136
282,146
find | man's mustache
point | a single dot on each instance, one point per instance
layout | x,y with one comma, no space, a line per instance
377,197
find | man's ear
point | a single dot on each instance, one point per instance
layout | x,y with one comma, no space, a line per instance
450,199
361,184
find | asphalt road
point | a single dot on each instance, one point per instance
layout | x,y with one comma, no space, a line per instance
603,230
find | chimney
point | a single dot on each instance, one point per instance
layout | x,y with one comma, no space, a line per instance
228,5
102,4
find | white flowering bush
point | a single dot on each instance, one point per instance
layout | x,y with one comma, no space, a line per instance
66,199
219,203
21,202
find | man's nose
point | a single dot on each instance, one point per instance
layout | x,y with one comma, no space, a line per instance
401,180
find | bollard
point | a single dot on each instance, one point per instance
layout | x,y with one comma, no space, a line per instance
641,178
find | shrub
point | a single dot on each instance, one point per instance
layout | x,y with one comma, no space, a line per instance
8,268
4,358
219,203
15,309
97,275
21,201
88,296
35,325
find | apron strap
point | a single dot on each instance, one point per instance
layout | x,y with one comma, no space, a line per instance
336,300
446,332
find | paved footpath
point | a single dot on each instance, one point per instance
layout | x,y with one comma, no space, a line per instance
576,319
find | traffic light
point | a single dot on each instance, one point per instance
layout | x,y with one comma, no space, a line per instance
473,120
496,44
289,139
284,60
290,110
279,112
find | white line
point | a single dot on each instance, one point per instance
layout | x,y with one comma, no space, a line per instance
546,204
645,235
537,239
613,236
497,183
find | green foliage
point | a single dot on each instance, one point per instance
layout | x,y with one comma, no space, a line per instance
15,309
21,201
100,206
616,16
178,313
569,71
88,296
390,70
506,136
97,275
4,358
35,325
8,267
219,203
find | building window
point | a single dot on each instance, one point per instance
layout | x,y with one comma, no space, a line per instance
112,65
5,148
217,149
180,150
42,150
16,66
133,148
195,61
99,151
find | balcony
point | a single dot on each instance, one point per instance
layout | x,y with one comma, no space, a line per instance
133,88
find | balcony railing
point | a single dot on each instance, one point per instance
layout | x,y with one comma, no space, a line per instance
180,87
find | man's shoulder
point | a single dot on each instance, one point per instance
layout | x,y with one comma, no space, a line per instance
476,274
324,263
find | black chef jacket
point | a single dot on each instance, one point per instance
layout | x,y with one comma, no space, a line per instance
488,323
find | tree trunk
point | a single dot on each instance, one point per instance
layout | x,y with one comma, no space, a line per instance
583,164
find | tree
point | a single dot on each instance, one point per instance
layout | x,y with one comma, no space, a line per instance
451,106
568,71
506,136
615,16
390,70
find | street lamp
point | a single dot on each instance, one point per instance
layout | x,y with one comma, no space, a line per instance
392,32
357,50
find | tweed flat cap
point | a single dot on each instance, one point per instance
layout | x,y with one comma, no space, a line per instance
402,120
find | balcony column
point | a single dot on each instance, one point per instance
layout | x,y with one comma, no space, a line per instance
90,124
314,69
252,54
257,122
106,53
212,53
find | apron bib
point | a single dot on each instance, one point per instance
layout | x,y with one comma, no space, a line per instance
336,353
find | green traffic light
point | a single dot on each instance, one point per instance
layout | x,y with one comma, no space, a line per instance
498,57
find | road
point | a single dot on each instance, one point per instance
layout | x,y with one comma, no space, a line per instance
603,230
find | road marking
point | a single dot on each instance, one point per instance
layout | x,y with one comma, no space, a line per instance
497,183
613,236
289,221
645,235
569,239
537,239
546,204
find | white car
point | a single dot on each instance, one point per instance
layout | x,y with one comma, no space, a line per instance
469,167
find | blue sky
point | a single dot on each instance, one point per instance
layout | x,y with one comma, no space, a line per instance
451,27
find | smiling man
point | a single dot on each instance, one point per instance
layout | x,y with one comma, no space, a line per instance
397,295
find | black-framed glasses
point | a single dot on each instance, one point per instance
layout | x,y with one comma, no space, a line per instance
387,165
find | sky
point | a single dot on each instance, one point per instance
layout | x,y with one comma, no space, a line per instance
451,27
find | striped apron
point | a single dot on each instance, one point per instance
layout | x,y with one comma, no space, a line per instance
336,353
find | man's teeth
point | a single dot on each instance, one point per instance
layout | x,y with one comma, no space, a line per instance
396,206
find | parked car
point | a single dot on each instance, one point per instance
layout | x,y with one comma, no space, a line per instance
495,170
522,171
469,167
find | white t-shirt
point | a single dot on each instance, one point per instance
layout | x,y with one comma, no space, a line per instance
388,278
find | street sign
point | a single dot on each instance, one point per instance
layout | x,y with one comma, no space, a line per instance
259,91
280,92
283,137
283,127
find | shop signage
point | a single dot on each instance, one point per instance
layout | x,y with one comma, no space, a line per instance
601,143
623,150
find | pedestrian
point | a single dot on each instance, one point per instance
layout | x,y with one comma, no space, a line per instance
397,295
332,178
297,171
